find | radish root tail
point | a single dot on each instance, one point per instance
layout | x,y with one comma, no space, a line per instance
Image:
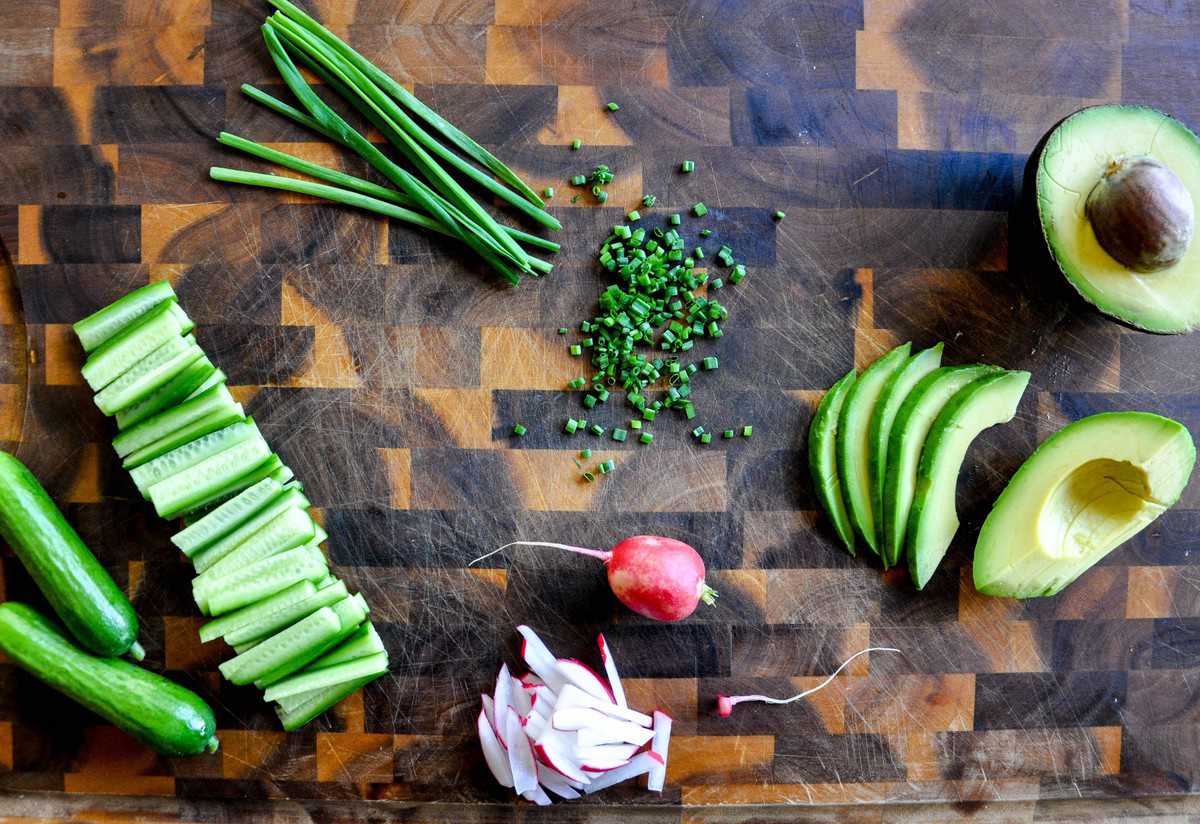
726,703
603,555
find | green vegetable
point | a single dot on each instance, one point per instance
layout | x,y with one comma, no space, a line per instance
148,374
699,210
779,215
579,180
747,431
649,200
575,144
634,215
82,593
619,434
196,378
101,325
585,453
728,433
646,437
607,466
250,526
519,430
687,167
170,719
225,518
612,107
199,484
548,192
162,428
122,351
597,429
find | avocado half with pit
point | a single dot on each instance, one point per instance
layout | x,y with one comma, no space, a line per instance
1116,189
1089,488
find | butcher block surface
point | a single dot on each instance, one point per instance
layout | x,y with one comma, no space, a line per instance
388,369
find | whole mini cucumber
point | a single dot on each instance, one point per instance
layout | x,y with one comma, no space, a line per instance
87,600
165,716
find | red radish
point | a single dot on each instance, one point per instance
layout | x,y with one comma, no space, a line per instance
493,753
726,703
660,578
610,670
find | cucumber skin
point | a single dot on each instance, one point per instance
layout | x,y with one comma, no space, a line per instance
167,717
82,593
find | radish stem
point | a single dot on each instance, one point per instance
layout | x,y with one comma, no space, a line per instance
603,555
725,703
708,595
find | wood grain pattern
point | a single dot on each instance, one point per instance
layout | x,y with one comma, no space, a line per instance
388,371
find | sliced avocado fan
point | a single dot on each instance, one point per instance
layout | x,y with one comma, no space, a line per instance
822,460
1117,187
1089,488
853,446
933,519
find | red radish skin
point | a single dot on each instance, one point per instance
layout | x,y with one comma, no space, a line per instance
660,578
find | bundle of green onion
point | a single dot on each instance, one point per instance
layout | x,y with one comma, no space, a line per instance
430,198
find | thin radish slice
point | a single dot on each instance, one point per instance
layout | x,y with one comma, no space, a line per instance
520,755
535,725
643,762
610,670
613,732
557,760
603,766
531,680
493,753
569,719
538,796
605,753
520,698
573,696
541,708
489,709
726,703
662,742
586,678
540,659
502,699
556,783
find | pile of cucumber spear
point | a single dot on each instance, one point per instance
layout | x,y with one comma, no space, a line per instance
428,196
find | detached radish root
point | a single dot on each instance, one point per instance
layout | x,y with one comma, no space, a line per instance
726,703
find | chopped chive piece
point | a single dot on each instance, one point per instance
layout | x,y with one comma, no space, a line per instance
676,219
698,431
779,215
705,232
589,477
585,454
602,196
571,427
575,144
576,383
687,167
612,107
562,330
747,431
700,210
689,410
578,465
619,434
709,363
579,180
739,272
575,199
699,253
649,200
646,437
649,412
587,343
728,433
634,423
519,430
608,466
548,192
589,401
576,350
717,283
706,437
634,215
597,429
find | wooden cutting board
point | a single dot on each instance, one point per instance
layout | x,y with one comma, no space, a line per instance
388,371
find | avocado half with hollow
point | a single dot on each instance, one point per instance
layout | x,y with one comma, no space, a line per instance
1089,488
1116,191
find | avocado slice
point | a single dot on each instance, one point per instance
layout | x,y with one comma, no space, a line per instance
933,519
853,450
879,431
1090,487
913,421
822,458
1086,218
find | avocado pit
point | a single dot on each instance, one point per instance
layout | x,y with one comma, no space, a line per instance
1142,214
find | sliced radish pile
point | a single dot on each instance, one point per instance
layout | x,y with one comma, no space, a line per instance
563,727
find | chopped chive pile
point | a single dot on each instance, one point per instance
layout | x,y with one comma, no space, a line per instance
519,430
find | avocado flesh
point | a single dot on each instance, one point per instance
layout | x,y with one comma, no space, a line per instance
822,458
880,430
1089,488
913,421
853,449
933,519
1075,157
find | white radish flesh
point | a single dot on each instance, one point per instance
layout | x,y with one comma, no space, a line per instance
605,753
538,796
642,763
554,751
520,698
531,680
662,741
520,755
541,708
555,782
493,753
572,696
584,677
610,670
569,719
534,725
502,698
540,659
489,709
613,732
